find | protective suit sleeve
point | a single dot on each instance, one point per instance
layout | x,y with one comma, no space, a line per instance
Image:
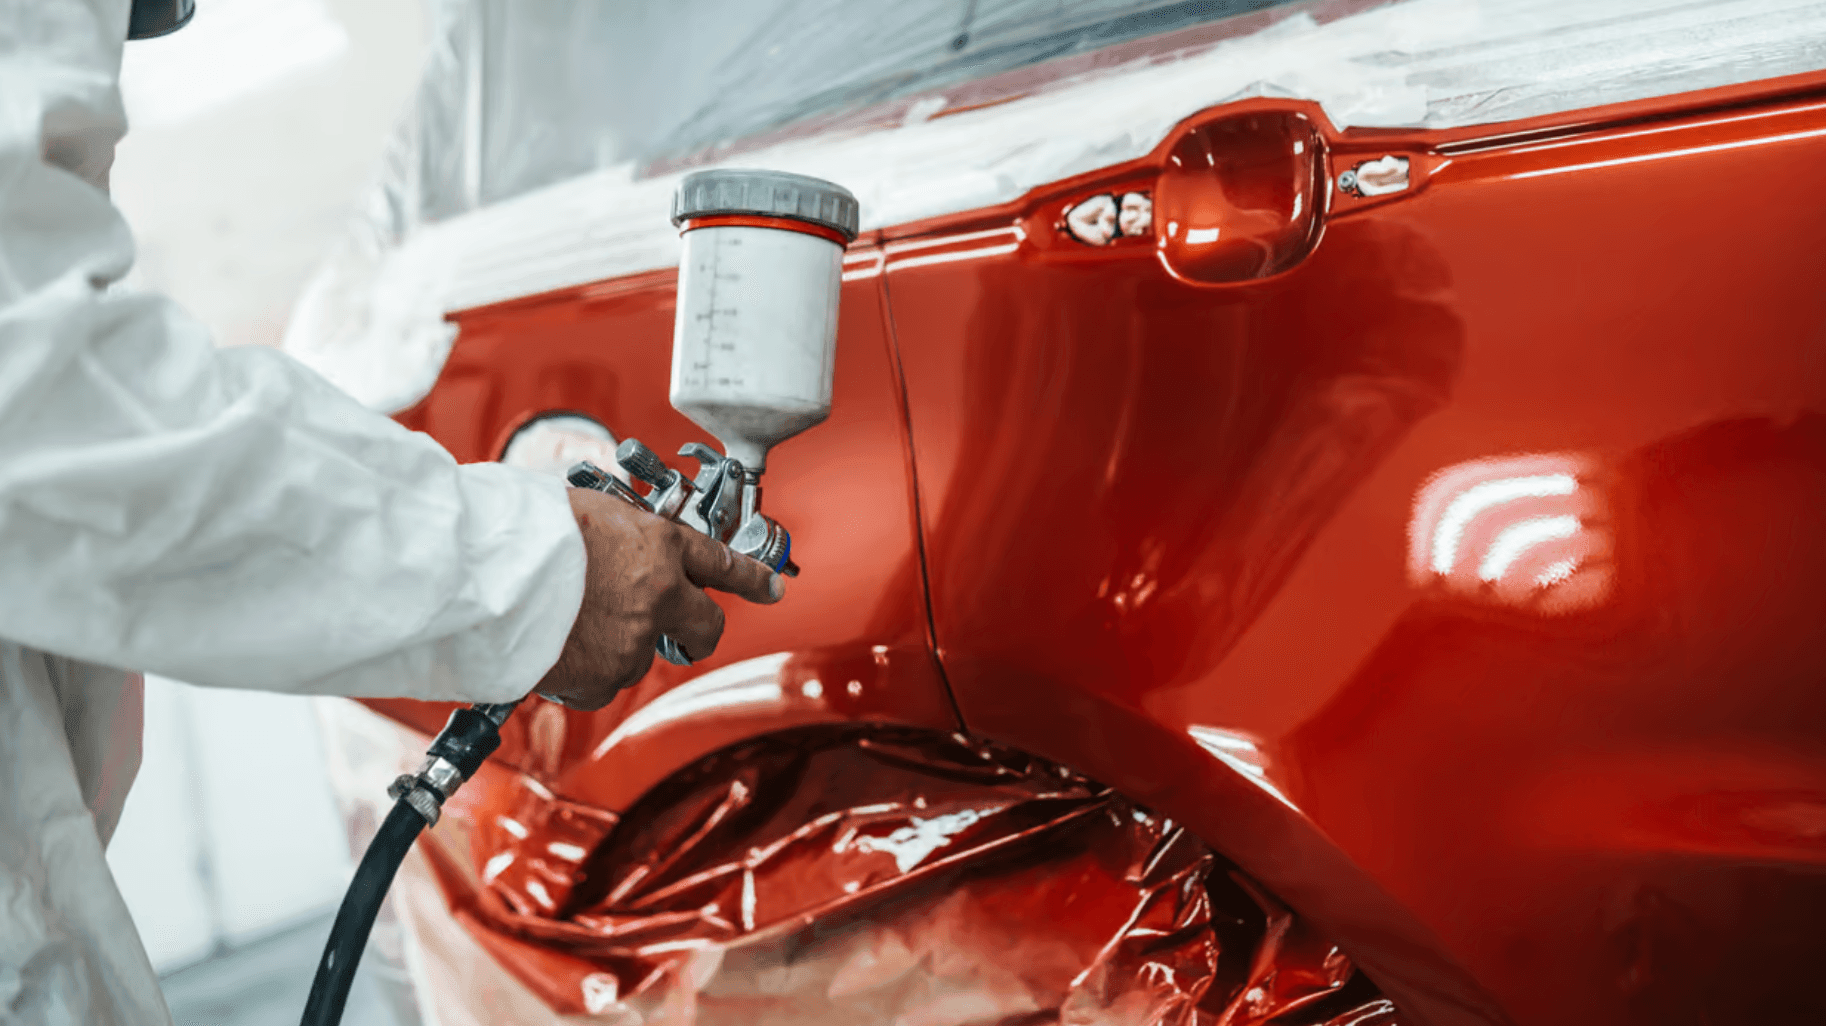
224,517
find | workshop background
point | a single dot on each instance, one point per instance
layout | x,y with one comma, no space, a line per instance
254,133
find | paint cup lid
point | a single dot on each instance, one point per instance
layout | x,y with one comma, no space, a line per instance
766,194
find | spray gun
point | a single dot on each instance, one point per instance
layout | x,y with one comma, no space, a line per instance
753,352
723,501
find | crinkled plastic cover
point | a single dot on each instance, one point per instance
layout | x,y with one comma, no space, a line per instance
849,875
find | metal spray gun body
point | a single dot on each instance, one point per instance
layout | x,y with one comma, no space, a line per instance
723,501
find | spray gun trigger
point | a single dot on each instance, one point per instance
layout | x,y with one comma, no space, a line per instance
701,453
719,483
709,471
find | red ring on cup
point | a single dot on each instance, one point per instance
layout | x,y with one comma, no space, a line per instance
790,224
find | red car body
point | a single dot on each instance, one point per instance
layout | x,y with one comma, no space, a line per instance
1451,560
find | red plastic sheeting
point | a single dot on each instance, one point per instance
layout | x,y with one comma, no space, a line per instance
839,876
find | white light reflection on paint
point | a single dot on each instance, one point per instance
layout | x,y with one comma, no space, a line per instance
1478,498
600,993
1530,531
946,258
512,826
1518,538
1242,754
1200,236
750,682
911,245
1689,151
868,265
496,865
1556,573
567,852
748,900
910,845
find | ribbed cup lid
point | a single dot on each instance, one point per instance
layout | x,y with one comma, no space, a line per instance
767,193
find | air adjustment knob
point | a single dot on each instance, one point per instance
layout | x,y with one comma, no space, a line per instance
642,462
588,475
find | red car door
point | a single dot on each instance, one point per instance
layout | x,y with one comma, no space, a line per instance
1431,521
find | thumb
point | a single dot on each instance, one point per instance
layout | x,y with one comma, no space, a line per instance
711,564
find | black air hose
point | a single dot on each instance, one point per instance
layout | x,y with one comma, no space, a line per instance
470,737
349,935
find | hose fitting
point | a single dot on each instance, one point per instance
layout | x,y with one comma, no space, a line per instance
467,740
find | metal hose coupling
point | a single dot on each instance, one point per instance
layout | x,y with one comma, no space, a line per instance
467,740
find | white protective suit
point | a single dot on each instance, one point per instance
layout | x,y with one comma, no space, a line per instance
223,517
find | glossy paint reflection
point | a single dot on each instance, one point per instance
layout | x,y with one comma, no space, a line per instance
1194,440
1240,753
1528,531
1656,819
1449,561
1388,514
1241,197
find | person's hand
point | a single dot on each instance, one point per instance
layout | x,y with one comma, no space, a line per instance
646,577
